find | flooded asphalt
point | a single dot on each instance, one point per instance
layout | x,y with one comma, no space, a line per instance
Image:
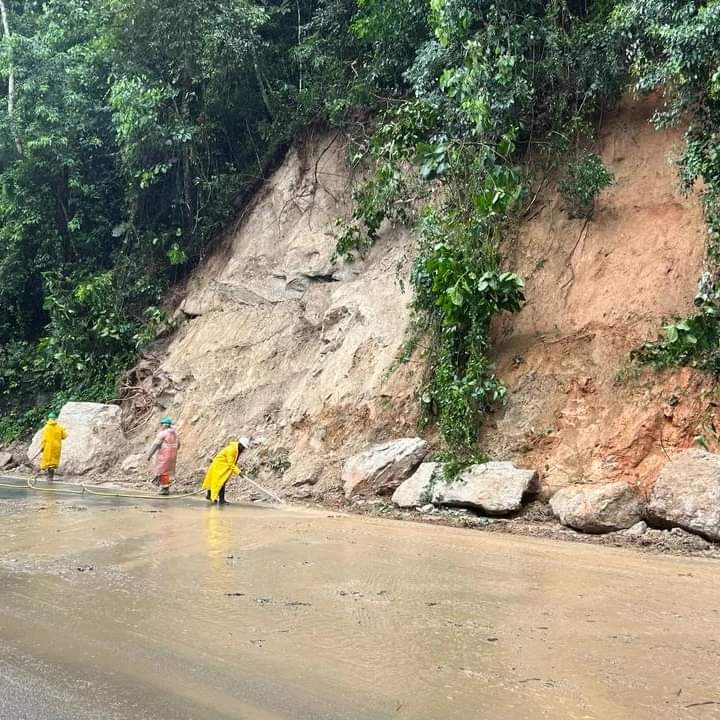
119,610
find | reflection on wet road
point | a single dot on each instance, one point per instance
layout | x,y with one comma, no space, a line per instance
117,611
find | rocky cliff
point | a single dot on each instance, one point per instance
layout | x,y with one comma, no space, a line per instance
281,341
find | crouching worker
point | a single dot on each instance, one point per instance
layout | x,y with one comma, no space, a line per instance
165,449
223,466
51,445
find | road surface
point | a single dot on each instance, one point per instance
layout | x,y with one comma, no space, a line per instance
176,612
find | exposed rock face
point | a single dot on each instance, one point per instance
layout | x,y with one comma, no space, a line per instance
94,433
383,468
598,508
416,491
495,488
687,494
6,460
283,342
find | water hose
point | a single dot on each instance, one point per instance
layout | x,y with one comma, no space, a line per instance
99,491
83,489
90,490
262,489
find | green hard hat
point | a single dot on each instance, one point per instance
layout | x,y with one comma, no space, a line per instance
166,421
52,416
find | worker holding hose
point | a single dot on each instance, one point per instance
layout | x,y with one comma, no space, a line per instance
222,468
165,448
51,442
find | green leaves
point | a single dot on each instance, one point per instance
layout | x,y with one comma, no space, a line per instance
432,160
142,122
693,341
585,177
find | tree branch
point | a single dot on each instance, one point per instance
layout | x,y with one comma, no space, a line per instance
11,78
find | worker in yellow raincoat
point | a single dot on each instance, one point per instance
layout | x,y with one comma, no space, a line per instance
222,468
51,441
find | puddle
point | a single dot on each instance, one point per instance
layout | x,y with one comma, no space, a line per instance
184,611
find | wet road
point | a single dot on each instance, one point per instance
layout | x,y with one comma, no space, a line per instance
119,612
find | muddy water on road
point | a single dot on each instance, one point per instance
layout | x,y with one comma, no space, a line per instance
175,612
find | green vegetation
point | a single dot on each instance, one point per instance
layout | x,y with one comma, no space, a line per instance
131,131
585,178
489,86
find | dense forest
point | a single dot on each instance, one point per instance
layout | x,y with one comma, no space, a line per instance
131,131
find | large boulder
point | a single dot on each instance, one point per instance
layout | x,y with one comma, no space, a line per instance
93,434
416,491
381,470
598,508
494,488
687,494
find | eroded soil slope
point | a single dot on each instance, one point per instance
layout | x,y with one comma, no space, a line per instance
283,342
596,291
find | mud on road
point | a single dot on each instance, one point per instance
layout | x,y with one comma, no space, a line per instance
123,611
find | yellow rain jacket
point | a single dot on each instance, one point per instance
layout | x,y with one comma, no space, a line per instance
51,444
222,467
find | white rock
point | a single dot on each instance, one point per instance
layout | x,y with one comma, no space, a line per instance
381,469
416,491
495,488
687,494
637,530
597,508
94,432
6,459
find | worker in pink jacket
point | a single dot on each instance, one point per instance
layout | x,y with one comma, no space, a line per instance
165,448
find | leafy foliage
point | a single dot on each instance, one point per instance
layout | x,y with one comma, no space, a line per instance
586,177
490,82
134,128
693,341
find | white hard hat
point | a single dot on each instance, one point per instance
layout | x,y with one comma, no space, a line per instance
245,442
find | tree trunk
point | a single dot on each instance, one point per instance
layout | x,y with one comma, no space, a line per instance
261,83
11,78
187,185
299,40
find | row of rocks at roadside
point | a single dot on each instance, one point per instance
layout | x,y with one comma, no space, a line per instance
494,488
686,494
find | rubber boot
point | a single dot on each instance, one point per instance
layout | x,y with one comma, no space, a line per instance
51,474
221,498
165,490
207,495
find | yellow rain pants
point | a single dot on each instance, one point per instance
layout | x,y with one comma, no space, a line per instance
51,444
222,467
